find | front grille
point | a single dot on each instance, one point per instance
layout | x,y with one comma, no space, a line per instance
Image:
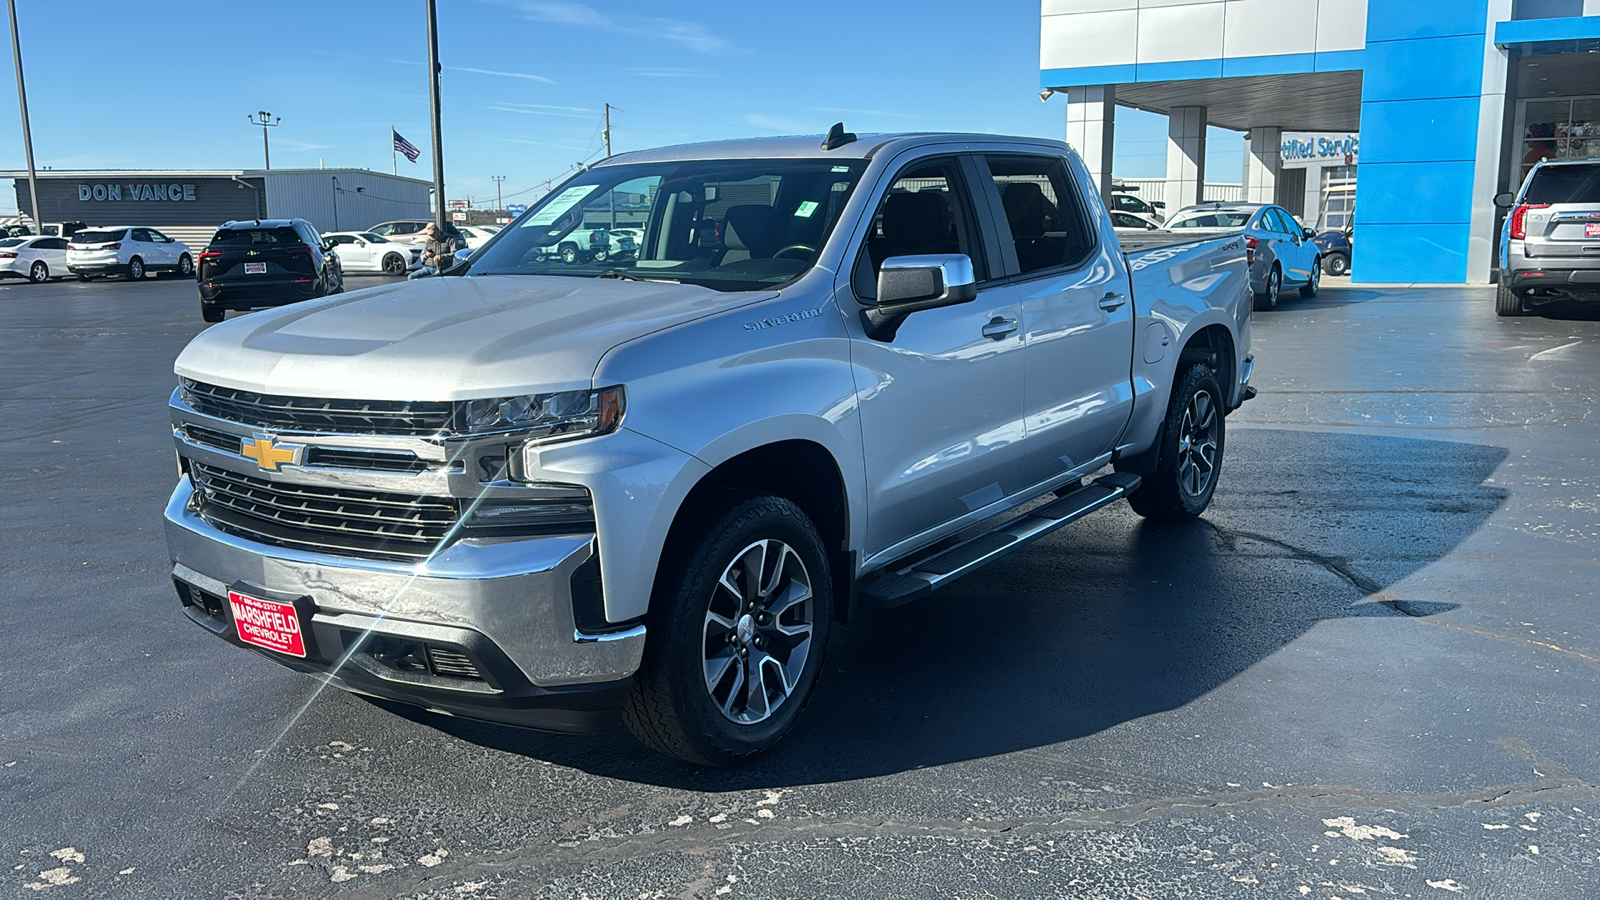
367,524
282,413
451,664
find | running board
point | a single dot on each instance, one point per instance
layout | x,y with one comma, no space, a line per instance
894,588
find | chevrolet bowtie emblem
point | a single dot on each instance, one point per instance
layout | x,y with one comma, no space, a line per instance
267,454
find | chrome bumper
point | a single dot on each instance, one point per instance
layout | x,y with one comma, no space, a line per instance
514,593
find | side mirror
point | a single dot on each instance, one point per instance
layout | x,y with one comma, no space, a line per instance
1308,233
908,284
1505,199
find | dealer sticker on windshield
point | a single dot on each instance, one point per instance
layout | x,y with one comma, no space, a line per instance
806,208
267,623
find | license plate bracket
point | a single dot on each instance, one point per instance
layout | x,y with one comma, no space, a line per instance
272,621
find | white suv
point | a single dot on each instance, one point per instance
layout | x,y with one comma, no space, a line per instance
126,250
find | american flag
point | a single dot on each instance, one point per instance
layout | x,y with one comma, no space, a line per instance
405,146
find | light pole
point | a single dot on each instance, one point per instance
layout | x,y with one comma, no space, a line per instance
433,103
268,120
27,138
336,190
499,203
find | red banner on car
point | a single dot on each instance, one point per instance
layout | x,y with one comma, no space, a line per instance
267,623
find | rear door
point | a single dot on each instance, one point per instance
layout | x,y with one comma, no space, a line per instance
1563,217
941,402
1077,318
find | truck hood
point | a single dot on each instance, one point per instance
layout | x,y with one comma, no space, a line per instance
444,338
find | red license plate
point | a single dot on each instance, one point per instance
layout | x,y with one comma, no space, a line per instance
255,268
1591,230
267,623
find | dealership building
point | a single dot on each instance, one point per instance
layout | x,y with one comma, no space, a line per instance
1447,103
188,205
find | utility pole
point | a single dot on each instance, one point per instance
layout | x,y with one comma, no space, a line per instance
606,131
268,120
27,138
499,204
433,102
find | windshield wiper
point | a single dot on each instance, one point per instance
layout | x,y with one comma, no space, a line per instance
625,275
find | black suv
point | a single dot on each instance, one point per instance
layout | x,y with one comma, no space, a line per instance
265,262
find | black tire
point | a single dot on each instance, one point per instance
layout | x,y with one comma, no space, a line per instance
569,254
601,256
135,269
85,278
186,266
1337,264
1167,494
1268,299
211,313
1309,289
394,264
1507,303
677,708
39,273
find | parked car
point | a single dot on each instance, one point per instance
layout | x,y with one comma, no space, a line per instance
591,245
263,263
1127,221
475,235
647,490
405,231
130,251
1122,201
1550,242
1282,253
1336,247
35,258
365,252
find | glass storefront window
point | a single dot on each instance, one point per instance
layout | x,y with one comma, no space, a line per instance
1560,129
1338,198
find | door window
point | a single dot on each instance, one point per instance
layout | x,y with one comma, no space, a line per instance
1043,214
140,234
926,210
158,237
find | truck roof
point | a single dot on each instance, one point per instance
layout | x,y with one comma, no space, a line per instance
865,146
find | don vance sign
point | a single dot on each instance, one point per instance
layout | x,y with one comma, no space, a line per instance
114,192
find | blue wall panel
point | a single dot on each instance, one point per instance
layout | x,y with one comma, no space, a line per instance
1419,130
1427,254
1407,20
1417,192
1436,67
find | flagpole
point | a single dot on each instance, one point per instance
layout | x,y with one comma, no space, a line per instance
394,162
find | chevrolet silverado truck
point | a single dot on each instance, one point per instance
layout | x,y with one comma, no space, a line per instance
832,377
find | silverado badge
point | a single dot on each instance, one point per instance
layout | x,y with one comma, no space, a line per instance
269,455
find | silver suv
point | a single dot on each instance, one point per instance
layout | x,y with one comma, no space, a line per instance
1550,243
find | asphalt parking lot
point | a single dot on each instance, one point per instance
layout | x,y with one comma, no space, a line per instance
1367,673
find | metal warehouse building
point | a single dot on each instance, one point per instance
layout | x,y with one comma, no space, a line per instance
189,204
1452,100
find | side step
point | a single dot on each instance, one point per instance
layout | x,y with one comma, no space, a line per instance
894,588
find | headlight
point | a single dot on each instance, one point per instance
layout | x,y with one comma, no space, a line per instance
544,417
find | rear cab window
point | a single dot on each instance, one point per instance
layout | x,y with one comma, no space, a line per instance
1043,216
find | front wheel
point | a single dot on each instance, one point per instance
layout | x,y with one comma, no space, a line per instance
85,278
1268,299
39,273
1309,289
569,255
186,266
738,625
1191,444
394,264
135,269
601,256
1507,303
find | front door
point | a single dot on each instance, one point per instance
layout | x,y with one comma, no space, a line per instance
941,402
1077,313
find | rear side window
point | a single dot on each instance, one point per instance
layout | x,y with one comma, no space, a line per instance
96,237
1046,221
1565,184
255,237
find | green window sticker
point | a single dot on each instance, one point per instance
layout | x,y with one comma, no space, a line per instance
806,209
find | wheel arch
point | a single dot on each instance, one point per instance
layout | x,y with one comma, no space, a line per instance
1214,346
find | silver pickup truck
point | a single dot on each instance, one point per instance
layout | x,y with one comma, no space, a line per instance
561,495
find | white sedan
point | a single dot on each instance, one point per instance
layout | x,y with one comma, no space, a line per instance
33,257
477,235
363,251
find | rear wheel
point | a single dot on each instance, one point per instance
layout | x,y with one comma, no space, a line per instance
394,264
1191,444
738,625
39,273
186,266
1268,299
211,313
85,278
1309,289
1507,303
1337,264
135,269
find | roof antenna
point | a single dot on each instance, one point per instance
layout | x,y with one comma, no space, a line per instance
837,137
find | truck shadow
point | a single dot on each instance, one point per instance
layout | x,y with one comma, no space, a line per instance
1107,621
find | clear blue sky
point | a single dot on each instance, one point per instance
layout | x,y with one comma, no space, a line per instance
117,84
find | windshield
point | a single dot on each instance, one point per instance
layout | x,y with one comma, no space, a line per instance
375,238
1210,219
731,225
1565,184
96,237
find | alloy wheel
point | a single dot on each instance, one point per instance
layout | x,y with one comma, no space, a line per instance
1197,444
757,633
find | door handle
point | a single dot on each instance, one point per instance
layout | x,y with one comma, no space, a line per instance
999,327
1112,300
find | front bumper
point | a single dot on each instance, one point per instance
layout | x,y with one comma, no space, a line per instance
505,606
